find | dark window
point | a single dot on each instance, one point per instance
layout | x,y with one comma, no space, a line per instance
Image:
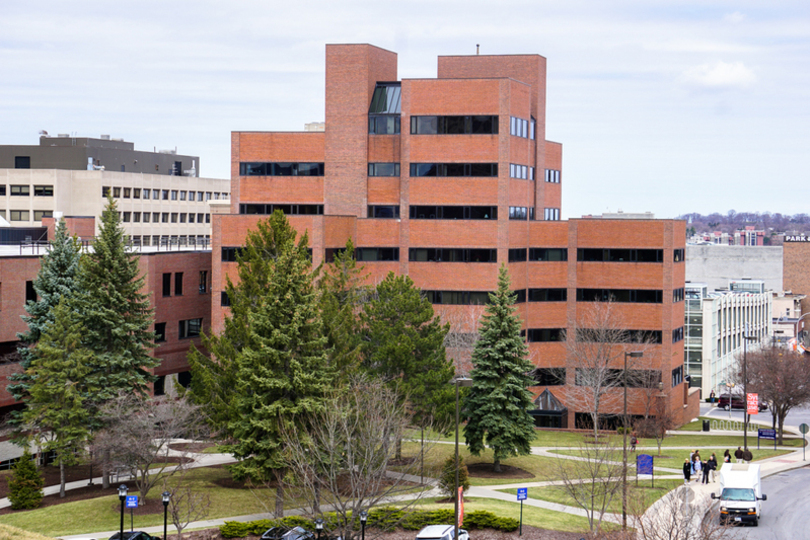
548,295
383,212
453,212
30,292
43,191
20,191
229,254
281,169
589,335
160,332
548,254
620,255
383,124
454,125
167,284
454,169
2,189
518,212
677,295
517,255
224,299
552,176
203,281
22,162
190,328
383,169
677,376
178,284
549,376
677,335
641,296
678,255
520,296
267,209
540,335
105,191
458,298
452,255
376,254
160,382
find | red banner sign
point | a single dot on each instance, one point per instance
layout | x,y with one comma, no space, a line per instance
753,404
460,506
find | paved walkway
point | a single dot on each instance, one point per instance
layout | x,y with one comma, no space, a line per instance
698,495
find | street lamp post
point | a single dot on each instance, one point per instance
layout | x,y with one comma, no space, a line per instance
166,497
632,354
363,518
319,527
122,494
461,381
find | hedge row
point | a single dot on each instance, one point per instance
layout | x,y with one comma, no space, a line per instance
382,518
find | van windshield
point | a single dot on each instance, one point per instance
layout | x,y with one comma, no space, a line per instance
738,494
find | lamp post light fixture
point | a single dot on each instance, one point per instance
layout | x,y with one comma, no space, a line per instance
166,497
363,518
461,381
632,354
122,494
319,527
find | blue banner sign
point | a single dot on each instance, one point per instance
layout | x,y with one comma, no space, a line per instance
769,434
132,501
644,464
523,494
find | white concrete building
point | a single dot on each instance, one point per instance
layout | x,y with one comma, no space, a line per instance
715,323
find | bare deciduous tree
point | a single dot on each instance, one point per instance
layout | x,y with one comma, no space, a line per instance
185,504
343,459
592,479
138,431
674,518
781,377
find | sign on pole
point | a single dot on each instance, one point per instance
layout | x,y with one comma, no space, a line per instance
460,496
522,495
644,465
753,403
804,428
132,501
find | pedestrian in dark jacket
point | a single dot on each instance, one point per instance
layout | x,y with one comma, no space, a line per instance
711,464
738,454
687,471
727,456
748,457
705,473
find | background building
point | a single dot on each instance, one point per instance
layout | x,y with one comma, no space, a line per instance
445,179
716,265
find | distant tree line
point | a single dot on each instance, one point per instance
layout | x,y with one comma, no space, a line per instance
772,223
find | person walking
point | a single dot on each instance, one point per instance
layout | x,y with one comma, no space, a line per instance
711,397
633,442
697,467
748,457
687,471
727,456
738,455
706,470
711,464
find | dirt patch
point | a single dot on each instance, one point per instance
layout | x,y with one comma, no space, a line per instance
403,461
484,470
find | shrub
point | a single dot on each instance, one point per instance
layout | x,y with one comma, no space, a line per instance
447,480
25,484
481,519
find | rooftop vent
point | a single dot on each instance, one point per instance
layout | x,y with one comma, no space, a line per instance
105,137
63,135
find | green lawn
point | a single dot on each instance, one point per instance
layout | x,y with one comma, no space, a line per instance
644,494
537,517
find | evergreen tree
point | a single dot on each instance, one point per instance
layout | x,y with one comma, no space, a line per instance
115,314
342,295
25,484
56,280
404,345
496,406
55,409
280,370
447,480
214,374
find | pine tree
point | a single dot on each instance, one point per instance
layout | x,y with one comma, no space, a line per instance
56,280
25,484
115,313
342,295
447,480
404,344
214,374
55,409
496,406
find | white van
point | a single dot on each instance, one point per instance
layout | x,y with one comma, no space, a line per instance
441,532
740,494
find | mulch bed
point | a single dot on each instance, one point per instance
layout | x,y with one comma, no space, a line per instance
484,470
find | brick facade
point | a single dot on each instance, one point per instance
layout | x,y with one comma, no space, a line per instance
502,86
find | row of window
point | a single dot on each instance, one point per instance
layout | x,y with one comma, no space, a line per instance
457,298
454,125
640,296
383,169
280,169
553,176
551,214
538,254
383,124
677,295
452,255
287,209
677,335
521,171
453,212
541,295
477,170
187,329
161,194
202,287
164,217
383,212
25,191
521,128
25,215
620,255
589,335
173,240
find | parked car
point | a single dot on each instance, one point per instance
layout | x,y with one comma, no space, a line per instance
298,533
737,402
275,533
441,532
134,535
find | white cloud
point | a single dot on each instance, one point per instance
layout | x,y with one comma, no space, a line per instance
720,74
734,18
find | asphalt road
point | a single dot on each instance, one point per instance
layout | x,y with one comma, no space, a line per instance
784,514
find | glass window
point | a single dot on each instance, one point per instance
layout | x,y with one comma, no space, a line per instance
39,214
136,217
167,284
174,217
182,195
116,192
383,169
127,193
22,162
20,191
174,194
43,191
19,215
136,193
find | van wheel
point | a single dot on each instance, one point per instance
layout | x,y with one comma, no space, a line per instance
727,407
756,522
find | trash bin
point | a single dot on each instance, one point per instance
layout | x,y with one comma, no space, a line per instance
705,425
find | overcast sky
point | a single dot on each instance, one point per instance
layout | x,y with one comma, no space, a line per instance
661,105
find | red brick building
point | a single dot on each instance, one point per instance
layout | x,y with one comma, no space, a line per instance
445,179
